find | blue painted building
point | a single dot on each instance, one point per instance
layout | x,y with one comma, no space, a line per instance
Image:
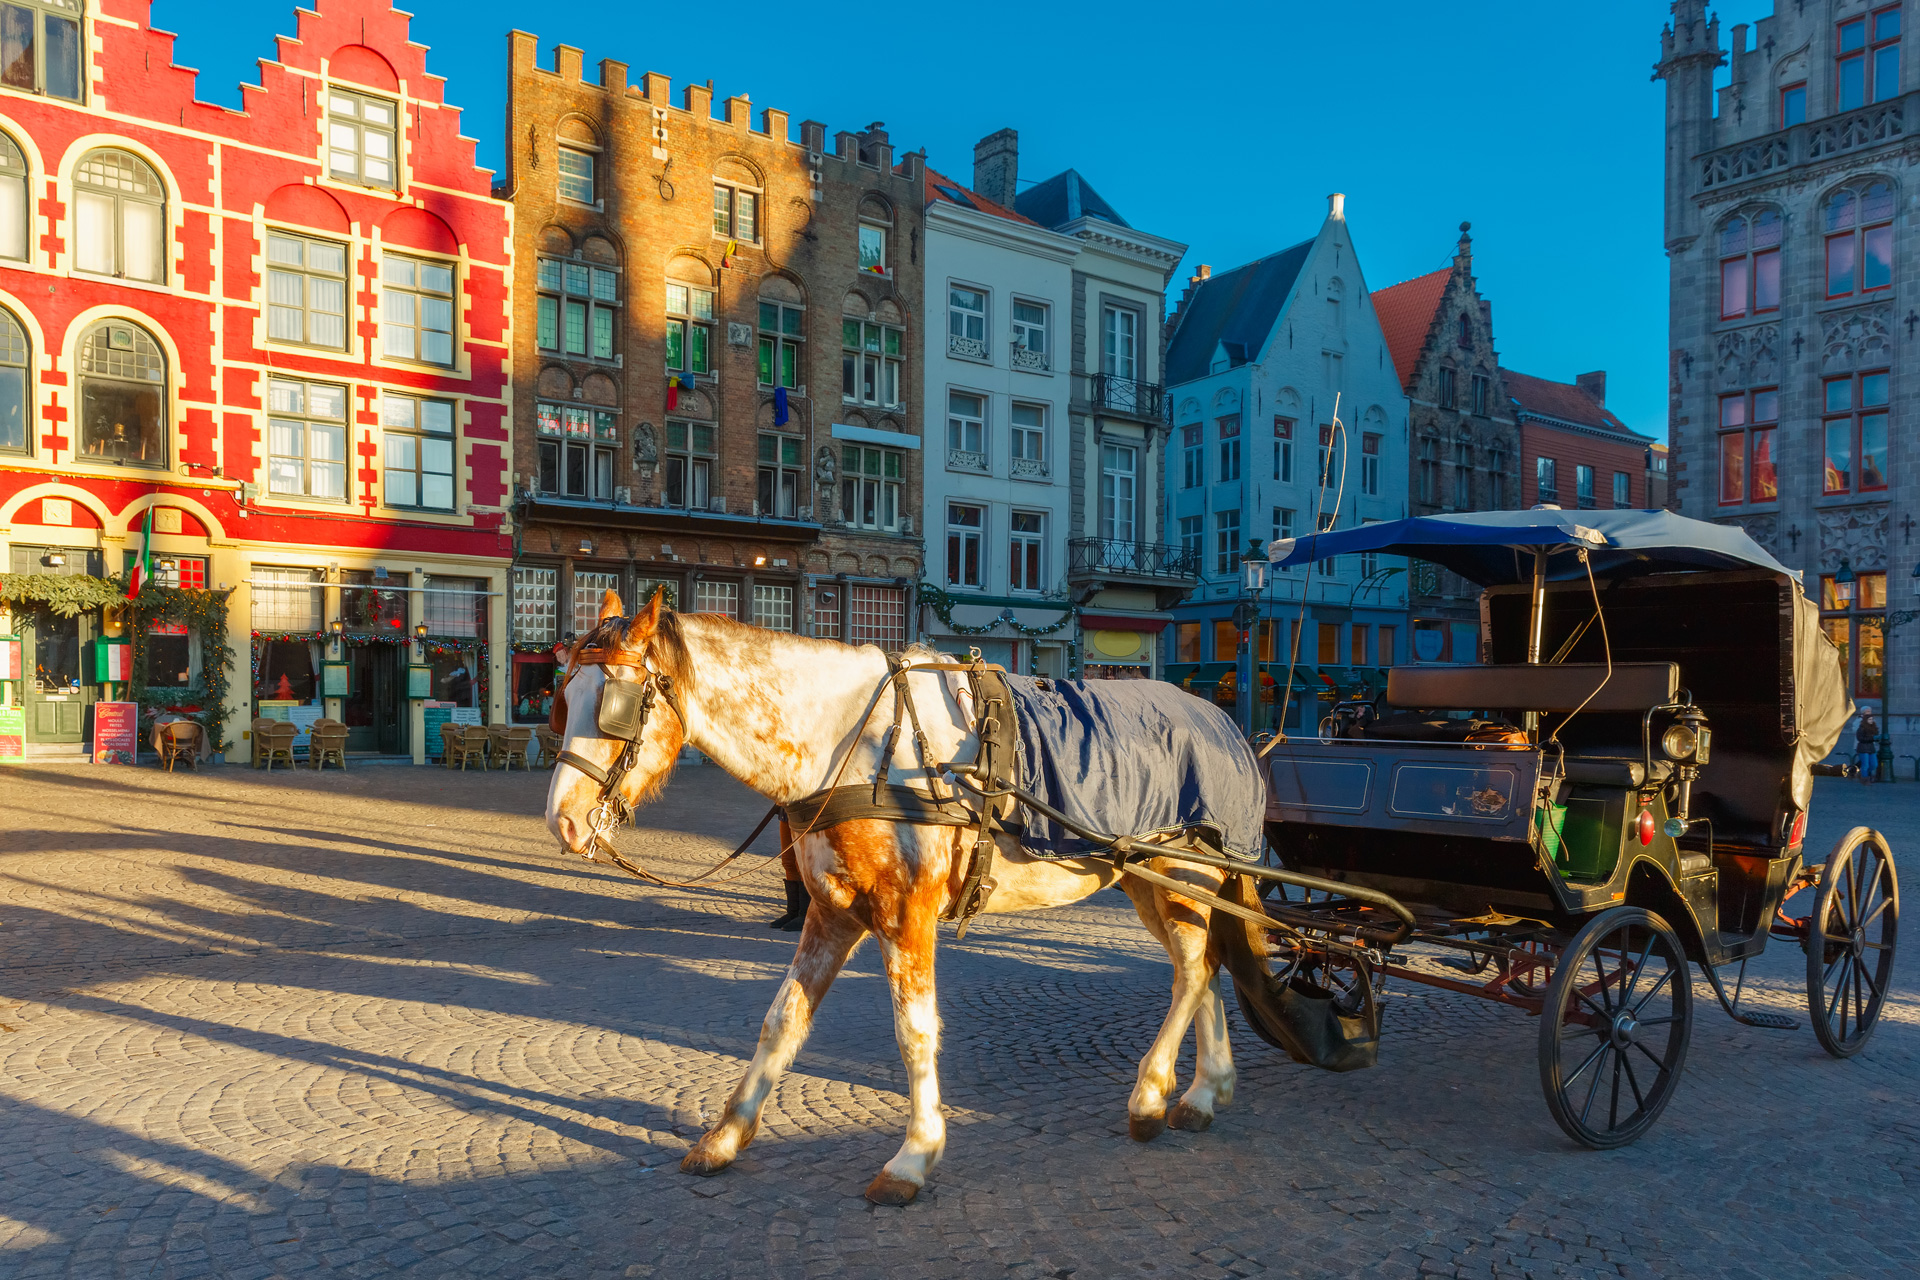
1259,358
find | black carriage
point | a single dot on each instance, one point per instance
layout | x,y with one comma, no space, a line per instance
1616,792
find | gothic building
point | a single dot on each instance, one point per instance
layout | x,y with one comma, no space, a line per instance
1791,235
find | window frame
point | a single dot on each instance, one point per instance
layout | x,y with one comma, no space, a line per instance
307,419
731,216
1193,537
1785,100
966,546
564,152
1227,432
696,329
421,436
866,358
1858,616
959,422
867,227
1112,501
1283,449
962,342
1482,390
777,479
421,294
778,351
1111,334
361,128
1027,441
17,175
307,275
1193,455
16,353
1622,491
1746,430
1546,479
1853,420
119,200
596,443
880,489
1751,262
74,17
162,386
1857,235
1449,393
1868,54
699,467
1024,330
1369,464
1027,551
1583,491
1227,551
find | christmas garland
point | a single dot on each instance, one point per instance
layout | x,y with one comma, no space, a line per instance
943,604
206,613
67,594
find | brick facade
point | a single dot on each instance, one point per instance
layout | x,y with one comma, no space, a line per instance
645,245
1569,425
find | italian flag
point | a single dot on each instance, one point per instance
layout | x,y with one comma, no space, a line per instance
142,571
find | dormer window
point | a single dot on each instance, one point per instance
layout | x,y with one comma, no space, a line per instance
361,138
40,47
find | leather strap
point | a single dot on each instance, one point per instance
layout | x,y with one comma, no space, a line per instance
891,803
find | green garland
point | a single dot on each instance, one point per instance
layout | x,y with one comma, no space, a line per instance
67,594
206,613
943,604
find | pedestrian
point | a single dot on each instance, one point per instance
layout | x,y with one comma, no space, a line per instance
1866,747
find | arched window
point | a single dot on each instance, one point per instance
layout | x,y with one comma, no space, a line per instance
40,47
13,193
13,386
1465,338
1859,225
120,217
123,395
1750,264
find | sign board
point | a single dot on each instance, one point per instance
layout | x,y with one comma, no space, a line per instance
112,660
1429,645
333,680
13,735
435,714
9,658
116,732
300,714
419,682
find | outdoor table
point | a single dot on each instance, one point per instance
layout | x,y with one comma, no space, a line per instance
205,752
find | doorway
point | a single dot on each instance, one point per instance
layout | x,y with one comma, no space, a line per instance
57,694
374,708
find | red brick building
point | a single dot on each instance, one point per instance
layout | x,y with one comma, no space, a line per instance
282,331
1573,451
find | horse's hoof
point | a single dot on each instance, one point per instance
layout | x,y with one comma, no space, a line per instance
701,1164
889,1190
1190,1118
1145,1128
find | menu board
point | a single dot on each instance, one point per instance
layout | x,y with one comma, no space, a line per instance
116,732
300,714
436,714
13,735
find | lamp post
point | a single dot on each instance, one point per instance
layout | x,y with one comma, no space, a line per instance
1246,616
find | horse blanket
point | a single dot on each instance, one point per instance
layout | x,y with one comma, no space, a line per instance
1133,758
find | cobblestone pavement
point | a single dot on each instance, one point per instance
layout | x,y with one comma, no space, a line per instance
369,1023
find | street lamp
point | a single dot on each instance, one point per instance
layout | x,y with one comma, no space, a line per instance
1843,586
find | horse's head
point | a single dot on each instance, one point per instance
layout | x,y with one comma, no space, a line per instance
618,715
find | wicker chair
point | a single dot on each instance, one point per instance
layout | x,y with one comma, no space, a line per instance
180,741
327,744
449,743
550,743
510,745
471,745
260,741
278,744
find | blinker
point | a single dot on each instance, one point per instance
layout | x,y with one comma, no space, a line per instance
623,708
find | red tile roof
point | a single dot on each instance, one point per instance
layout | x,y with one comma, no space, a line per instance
1406,312
935,181
1564,401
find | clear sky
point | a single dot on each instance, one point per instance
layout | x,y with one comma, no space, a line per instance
1223,130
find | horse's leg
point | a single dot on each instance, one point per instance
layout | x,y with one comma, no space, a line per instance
1213,1074
826,940
906,947
1182,928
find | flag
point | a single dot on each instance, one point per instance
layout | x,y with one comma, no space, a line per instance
877,269
142,571
677,383
780,406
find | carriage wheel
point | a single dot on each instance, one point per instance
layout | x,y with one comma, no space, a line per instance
1613,1035
1850,941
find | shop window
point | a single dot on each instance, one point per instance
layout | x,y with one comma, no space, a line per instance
40,47
15,384
418,450
15,223
966,525
1383,648
782,462
577,308
373,602
871,487
722,598
692,457
1186,642
416,309
1357,642
590,587
534,595
879,615
285,599
736,213
1855,433
826,613
306,291
456,607
780,337
119,217
285,671
307,440
1226,640
534,675
689,328
579,449
1329,647
773,607
1857,628
122,396
1027,552
870,359
361,138
1750,264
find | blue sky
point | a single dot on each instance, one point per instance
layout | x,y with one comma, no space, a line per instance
1538,123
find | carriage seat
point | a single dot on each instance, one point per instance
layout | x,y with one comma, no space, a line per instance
1558,687
1622,771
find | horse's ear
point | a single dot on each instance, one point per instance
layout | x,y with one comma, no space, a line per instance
610,605
647,621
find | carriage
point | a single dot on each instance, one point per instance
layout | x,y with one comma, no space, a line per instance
1616,792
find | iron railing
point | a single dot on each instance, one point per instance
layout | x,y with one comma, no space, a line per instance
1139,559
1126,395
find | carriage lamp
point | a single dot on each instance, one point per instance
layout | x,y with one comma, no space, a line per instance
1843,586
1687,742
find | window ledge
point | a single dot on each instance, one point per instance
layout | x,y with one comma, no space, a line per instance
598,206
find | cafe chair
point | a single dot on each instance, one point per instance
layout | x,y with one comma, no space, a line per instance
180,741
449,744
327,744
549,752
471,745
261,742
510,745
279,736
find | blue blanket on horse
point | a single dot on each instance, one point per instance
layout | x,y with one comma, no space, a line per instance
1133,757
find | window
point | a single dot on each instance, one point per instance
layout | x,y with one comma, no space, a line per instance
965,524
869,363
1622,489
1029,334
576,175
1229,432
1497,479
286,599
1462,475
1186,642
966,430
1327,479
1026,552
1283,450
1384,648
1859,240
1482,387
40,47
692,457
1750,264
780,338
1329,652
689,328
1030,440
1858,630
1429,470
1283,518
360,138
878,615
1370,465
534,591
1357,638
14,221
1856,427
1447,394
1464,335
1193,533
1583,485
1226,640
873,248
119,217
14,386
781,461
736,213
773,607
1226,541
1867,59
967,323
1117,488
578,449
1119,343
123,380
1747,465
419,452
1793,105
1193,458
416,309
870,486
577,308
1546,488
307,440
589,589
306,291
455,607
722,598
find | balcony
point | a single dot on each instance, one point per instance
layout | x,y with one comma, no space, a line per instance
1814,141
966,348
1112,558
1029,469
1127,396
1024,358
965,460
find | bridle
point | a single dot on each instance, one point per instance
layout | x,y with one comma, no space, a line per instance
621,716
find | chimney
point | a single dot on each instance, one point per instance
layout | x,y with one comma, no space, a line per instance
1595,385
1336,207
996,166
1204,272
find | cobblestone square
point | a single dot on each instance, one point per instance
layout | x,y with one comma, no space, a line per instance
369,1023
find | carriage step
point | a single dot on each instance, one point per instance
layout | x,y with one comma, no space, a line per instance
1772,1021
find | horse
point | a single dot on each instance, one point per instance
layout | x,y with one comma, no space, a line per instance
791,716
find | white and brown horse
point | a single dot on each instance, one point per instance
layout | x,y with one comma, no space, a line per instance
782,713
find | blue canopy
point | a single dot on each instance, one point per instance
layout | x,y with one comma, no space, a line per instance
1495,547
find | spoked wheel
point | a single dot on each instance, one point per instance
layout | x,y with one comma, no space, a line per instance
1850,941
1613,1035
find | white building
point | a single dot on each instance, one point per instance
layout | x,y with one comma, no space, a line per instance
998,498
